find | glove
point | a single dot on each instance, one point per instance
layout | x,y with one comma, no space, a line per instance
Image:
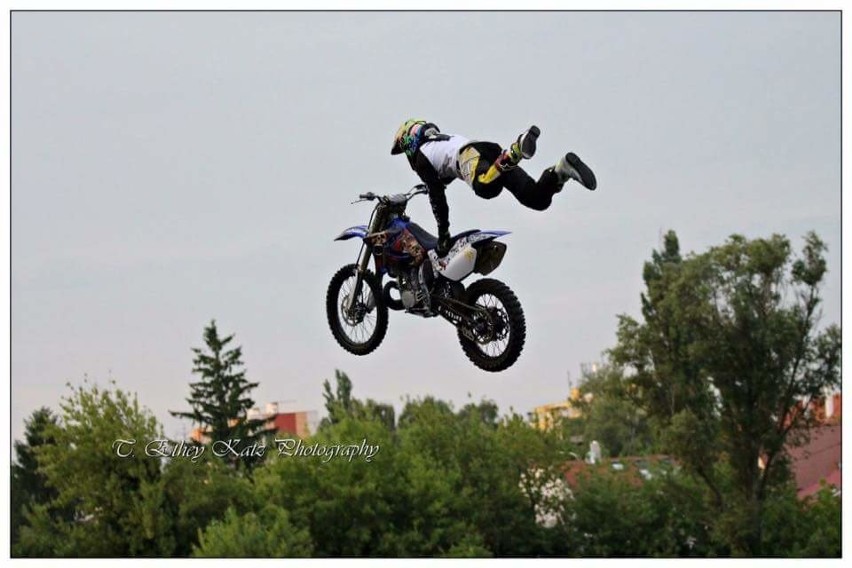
443,243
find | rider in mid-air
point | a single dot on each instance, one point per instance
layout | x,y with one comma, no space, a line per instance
440,158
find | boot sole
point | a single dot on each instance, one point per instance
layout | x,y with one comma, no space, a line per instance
588,177
528,140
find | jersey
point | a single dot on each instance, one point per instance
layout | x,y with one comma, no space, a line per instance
444,154
436,163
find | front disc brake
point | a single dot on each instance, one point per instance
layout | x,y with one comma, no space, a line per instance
355,314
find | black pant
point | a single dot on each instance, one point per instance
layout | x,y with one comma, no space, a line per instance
533,194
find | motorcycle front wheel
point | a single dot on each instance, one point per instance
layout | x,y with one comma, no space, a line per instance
362,327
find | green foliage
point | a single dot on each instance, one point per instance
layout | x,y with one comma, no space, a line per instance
470,546
268,534
101,504
482,467
486,411
443,483
821,523
728,346
695,442
220,399
610,415
340,405
615,514
808,528
42,535
344,504
106,493
728,343
193,494
29,486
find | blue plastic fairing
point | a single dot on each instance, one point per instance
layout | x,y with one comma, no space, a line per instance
359,231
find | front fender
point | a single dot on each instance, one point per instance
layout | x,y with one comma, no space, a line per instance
359,231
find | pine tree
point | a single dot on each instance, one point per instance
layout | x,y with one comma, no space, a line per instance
220,401
29,486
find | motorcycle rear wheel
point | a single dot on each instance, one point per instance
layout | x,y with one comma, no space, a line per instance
501,335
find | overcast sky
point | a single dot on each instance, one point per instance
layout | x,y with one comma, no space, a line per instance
172,168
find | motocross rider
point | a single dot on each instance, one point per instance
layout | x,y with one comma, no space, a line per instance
439,158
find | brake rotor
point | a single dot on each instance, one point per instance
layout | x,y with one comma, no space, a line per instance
355,315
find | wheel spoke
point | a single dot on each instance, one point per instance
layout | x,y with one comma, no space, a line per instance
362,331
497,313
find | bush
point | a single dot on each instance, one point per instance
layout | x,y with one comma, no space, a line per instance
268,534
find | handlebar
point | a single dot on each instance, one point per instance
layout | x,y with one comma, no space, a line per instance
416,190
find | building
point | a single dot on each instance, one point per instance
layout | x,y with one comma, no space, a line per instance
818,460
813,464
298,423
828,409
546,416
634,469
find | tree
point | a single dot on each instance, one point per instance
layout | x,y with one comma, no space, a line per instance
192,494
340,404
29,485
821,524
809,527
485,410
220,401
351,508
726,361
268,534
615,515
491,475
444,483
106,491
610,415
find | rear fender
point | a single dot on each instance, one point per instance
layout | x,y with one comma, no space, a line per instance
489,255
476,252
484,236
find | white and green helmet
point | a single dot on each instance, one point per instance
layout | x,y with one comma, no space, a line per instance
409,136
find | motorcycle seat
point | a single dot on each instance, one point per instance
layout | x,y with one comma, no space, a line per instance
429,241
426,239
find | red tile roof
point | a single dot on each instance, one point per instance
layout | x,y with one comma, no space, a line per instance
575,471
818,459
833,479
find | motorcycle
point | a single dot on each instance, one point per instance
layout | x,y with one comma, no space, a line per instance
487,315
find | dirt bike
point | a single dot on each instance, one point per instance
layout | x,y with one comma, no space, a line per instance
487,315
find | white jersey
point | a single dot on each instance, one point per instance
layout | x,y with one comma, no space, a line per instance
444,154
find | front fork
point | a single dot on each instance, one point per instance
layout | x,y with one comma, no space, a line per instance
361,267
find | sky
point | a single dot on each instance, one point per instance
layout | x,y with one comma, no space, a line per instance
173,168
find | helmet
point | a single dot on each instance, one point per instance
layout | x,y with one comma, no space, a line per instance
409,136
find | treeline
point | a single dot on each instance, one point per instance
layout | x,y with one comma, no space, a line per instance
717,375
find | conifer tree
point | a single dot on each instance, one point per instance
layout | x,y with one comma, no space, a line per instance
220,401
29,485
